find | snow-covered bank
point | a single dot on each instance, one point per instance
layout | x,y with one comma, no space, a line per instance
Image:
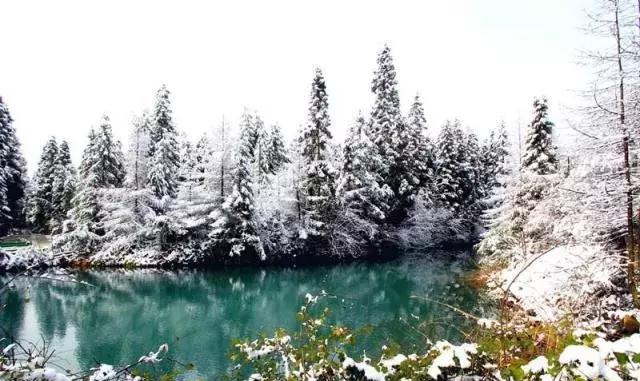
560,281
26,259
189,257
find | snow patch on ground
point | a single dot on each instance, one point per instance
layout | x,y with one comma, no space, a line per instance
560,280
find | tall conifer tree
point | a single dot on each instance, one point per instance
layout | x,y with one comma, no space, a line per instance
447,166
276,150
392,135
107,156
41,209
539,155
319,176
13,173
234,231
101,168
163,149
261,160
420,147
358,186
64,185
138,153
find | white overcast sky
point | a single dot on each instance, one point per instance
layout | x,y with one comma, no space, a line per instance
65,63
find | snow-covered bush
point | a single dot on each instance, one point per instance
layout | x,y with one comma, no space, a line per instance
30,361
351,234
525,350
275,217
78,242
427,226
25,259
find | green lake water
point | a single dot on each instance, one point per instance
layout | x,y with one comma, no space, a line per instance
125,314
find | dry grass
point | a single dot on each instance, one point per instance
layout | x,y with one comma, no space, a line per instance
81,264
480,277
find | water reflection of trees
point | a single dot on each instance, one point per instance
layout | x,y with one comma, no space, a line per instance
198,313
11,312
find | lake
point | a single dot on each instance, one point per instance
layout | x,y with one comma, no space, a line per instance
126,313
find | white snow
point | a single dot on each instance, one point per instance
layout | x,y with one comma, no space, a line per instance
154,357
448,353
370,373
539,364
309,299
393,362
487,323
564,277
587,362
103,373
259,352
8,349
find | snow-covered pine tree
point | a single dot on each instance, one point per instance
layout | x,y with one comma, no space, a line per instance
276,150
447,167
539,164
163,149
420,146
488,159
503,141
385,115
497,166
88,155
162,177
234,231
123,214
106,159
391,133
318,201
63,187
101,169
187,176
360,197
186,156
5,217
403,177
203,156
40,209
354,160
87,211
14,174
502,152
5,213
138,153
275,207
195,201
81,232
127,209
469,174
494,158
540,156
261,160
221,166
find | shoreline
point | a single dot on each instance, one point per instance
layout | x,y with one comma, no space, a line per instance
20,260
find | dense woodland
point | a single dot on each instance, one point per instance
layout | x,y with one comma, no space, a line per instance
245,194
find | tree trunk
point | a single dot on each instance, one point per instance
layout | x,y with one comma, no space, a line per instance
631,260
224,148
